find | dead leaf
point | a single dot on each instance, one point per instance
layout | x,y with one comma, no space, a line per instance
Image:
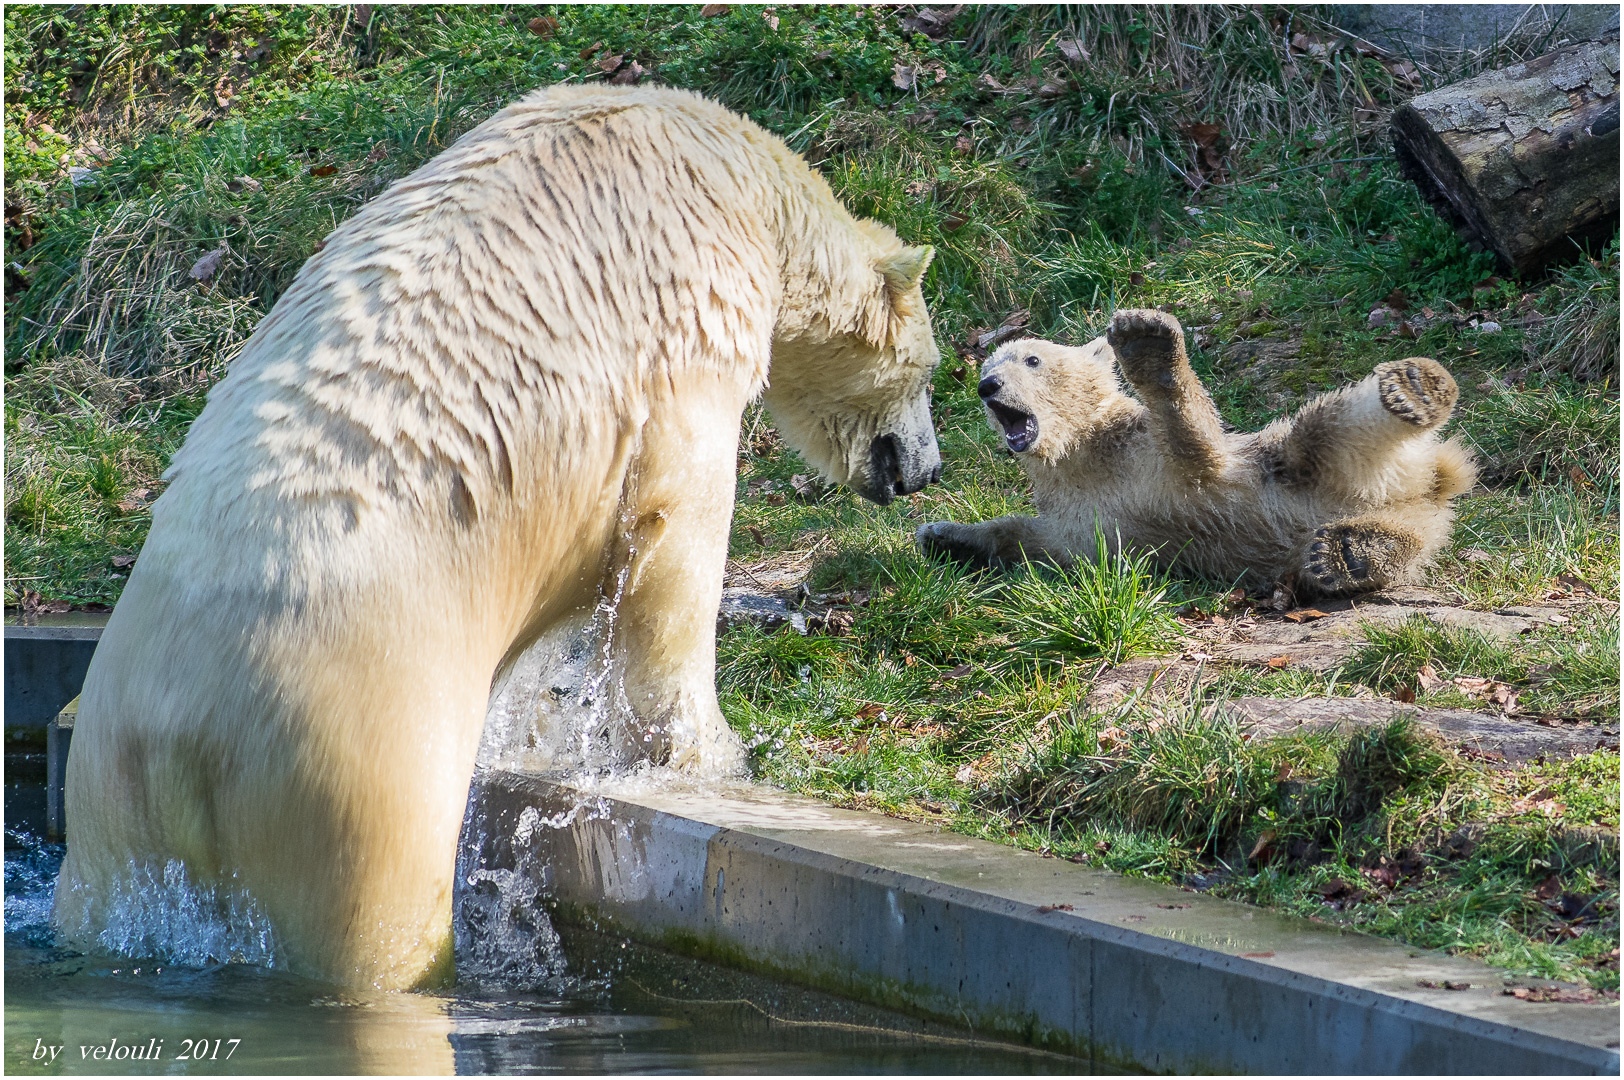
1397,300
1428,679
543,26
963,145
1447,984
773,498
1305,615
1111,738
1385,876
610,63
1565,995
1548,888
629,75
1475,555
1576,583
1203,135
123,560
1072,49
903,77
379,152
1334,888
591,50
206,267
932,22
987,82
710,11
323,170
959,672
244,183
770,17
1136,278
1263,849
1054,907
1259,955
757,535
1279,661
1405,694
954,221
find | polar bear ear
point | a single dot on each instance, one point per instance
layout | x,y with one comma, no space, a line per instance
900,271
906,268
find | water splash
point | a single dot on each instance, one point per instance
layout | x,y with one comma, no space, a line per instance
160,912
503,935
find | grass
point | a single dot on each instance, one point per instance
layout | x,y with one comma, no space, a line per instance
1196,160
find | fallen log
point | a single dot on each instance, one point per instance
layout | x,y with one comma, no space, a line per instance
1523,160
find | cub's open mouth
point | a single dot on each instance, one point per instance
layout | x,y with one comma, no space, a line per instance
1020,428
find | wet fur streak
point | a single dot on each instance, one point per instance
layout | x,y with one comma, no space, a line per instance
1351,493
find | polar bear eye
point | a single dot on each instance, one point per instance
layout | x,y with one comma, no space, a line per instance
1031,361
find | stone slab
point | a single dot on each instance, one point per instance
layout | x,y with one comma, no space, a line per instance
1123,973
1509,737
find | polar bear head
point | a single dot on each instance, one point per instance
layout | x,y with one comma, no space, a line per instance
1044,397
852,393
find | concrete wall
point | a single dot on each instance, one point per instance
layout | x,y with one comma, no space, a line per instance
1123,973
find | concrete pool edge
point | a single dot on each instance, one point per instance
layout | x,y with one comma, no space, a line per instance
1007,943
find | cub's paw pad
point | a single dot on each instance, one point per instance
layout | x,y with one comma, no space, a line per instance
1147,344
1418,391
1352,558
947,539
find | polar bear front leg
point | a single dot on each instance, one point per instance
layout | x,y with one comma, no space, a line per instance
998,544
1149,347
675,524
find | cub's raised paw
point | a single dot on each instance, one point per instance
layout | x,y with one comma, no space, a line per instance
951,540
1148,344
1357,558
1418,390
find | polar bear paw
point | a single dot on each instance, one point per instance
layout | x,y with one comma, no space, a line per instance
1148,345
1417,391
950,539
1351,558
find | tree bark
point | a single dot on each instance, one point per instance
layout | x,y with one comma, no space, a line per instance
1523,160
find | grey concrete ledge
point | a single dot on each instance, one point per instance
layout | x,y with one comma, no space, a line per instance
45,667
1120,972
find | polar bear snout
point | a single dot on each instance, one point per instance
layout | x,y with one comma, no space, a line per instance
892,472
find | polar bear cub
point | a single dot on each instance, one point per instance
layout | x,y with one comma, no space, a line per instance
1352,493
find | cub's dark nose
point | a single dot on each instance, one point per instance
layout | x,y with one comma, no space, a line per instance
989,386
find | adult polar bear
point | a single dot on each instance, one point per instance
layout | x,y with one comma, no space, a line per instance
513,380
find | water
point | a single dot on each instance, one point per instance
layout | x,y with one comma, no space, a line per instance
531,998
600,1005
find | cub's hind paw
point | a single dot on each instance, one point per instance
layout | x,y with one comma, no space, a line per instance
1417,391
1357,558
1148,344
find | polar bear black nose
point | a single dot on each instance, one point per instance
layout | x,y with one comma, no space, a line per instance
989,386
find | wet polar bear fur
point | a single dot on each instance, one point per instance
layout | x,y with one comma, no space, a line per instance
508,386
1350,494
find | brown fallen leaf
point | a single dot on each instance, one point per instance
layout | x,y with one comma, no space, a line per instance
123,560
757,535
770,17
591,50
1258,955
1278,661
1428,679
1576,583
630,75
773,498
1055,907
610,63
1305,614
1565,995
959,672
543,26
1549,888
1447,984
963,145
1072,49
1577,475
323,170
1405,694
1110,738
244,183
206,267
1136,278
1173,907
710,11
903,77
379,152
953,221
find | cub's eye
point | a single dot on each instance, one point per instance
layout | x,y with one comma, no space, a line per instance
1031,361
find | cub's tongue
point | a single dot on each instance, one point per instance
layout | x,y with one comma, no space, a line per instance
1020,428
